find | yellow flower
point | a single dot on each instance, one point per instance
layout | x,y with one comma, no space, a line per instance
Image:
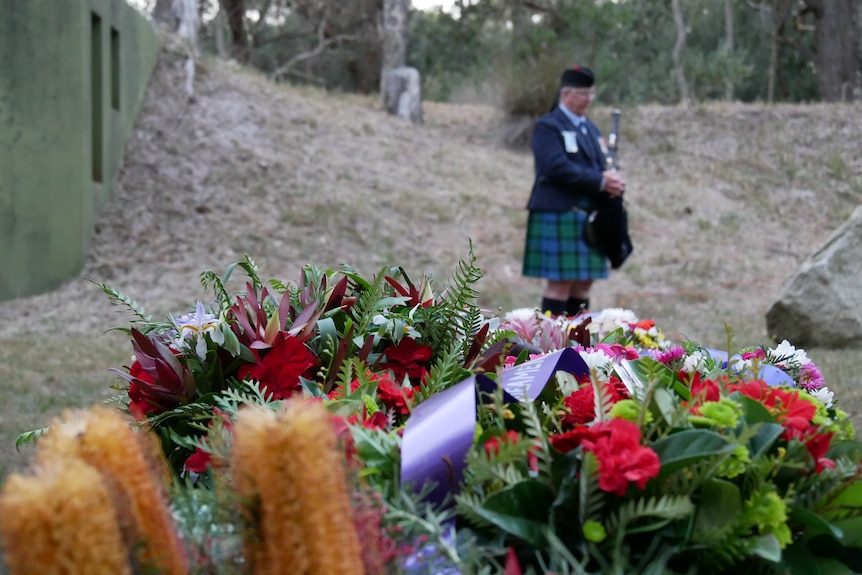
134,470
288,467
61,521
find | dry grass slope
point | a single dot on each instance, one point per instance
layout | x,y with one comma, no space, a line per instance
725,201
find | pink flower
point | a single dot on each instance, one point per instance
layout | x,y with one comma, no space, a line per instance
617,350
670,355
810,377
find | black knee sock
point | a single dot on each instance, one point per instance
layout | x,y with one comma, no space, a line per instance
554,306
576,305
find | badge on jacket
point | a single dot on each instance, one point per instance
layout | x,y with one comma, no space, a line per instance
571,142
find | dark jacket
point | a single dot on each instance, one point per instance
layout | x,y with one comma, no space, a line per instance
565,179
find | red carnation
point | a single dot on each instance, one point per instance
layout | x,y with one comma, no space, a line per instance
581,404
616,445
788,407
392,395
405,357
492,446
279,370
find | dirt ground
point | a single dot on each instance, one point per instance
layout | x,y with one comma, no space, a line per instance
725,200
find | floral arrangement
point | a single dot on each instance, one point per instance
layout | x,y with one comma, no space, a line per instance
478,444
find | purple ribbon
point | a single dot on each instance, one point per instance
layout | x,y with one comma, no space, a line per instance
768,373
440,430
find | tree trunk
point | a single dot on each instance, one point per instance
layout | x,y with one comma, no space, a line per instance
402,93
219,24
163,13
837,59
729,39
394,36
772,72
678,48
235,10
780,10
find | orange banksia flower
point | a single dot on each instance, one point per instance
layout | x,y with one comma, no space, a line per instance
288,463
61,521
133,471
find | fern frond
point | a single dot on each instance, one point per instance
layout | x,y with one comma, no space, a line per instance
250,268
243,393
351,369
603,398
117,297
446,372
467,503
591,497
209,279
279,286
461,316
668,507
30,437
539,439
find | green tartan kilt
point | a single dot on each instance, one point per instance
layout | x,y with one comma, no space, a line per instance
555,248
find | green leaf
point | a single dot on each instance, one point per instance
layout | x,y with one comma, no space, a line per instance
685,447
521,510
29,437
231,343
720,507
666,404
767,547
754,411
814,524
850,450
647,369
852,529
328,337
766,435
849,499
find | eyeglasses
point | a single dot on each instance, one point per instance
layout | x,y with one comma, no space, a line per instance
583,92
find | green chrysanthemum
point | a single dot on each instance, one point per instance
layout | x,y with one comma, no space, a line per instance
629,409
767,511
736,463
594,531
722,413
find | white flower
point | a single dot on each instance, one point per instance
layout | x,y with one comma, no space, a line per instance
610,319
597,360
521,314
197,323
194,325
824,396
395,327
695,362
739,365
788,355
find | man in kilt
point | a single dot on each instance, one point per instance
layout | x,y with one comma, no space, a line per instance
569,157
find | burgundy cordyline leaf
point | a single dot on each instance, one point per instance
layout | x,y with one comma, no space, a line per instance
338,359
305,323
285,310
476,346
366,348
337,295
492,357
174,381
143,345
398,287
580,335
251,320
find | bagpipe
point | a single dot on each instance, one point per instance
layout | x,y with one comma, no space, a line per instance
607,226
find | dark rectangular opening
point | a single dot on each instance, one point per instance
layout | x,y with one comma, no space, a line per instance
115,69
96,75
